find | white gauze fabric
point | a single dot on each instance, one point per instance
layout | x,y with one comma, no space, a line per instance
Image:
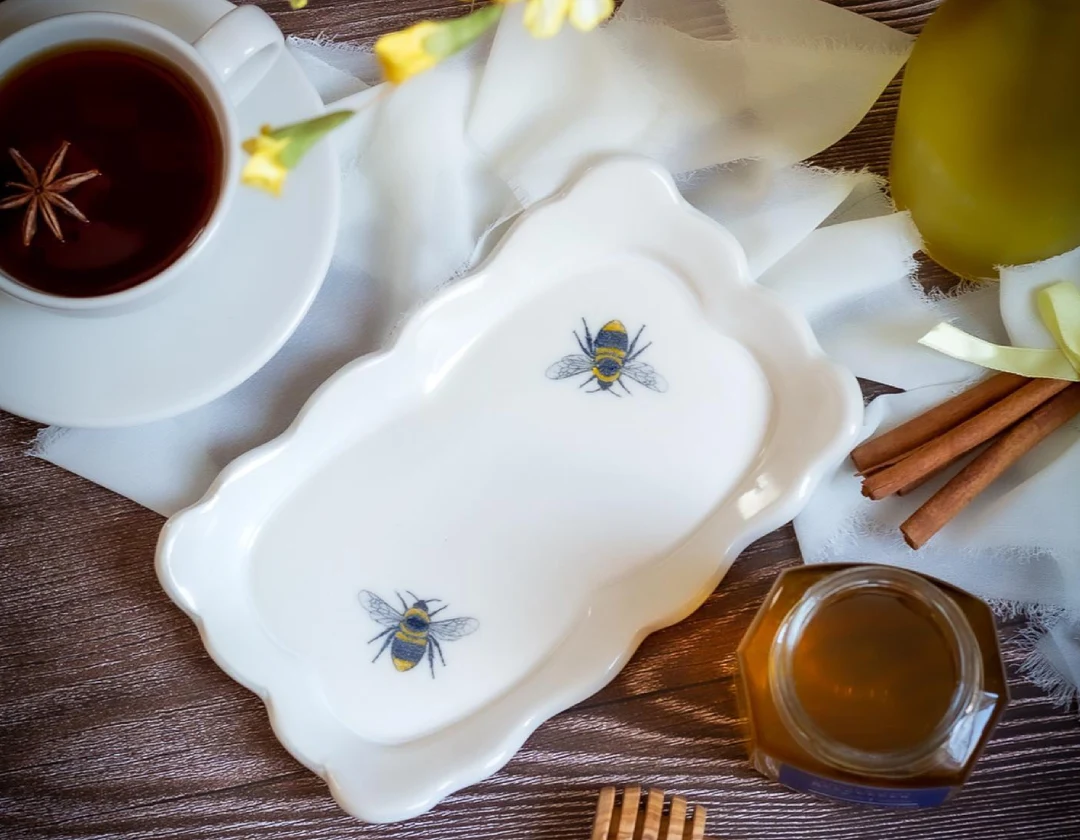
434,169
726,94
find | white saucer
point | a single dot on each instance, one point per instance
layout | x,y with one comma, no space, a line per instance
228,315
558,516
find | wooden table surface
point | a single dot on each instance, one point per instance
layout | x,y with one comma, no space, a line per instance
115,723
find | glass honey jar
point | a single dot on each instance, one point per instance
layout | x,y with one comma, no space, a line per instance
870,684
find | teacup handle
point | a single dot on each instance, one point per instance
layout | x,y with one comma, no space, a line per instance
240,48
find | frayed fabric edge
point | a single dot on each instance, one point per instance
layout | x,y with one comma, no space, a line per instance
325,41
1035,666
1039,671
45,440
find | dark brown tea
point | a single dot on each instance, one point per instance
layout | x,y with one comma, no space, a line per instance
146,129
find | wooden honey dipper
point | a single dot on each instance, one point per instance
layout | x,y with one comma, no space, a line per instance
625,819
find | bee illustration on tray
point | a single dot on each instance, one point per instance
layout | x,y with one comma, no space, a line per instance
610,358
412,632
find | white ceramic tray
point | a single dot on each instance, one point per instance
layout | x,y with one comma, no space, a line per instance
465,535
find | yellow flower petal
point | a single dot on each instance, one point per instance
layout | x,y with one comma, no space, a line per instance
418,48
586,15
544,18
265,175
264,169
403,54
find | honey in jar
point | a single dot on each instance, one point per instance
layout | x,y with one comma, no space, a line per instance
870,684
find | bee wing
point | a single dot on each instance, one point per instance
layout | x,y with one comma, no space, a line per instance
379,610
645,375
454,628
569,366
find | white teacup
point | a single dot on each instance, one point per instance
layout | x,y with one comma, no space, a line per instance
226,64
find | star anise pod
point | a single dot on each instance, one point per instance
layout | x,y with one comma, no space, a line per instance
43,195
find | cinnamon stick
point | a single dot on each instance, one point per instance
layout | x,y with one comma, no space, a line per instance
947,503
941,451
926,479
891,446
920,481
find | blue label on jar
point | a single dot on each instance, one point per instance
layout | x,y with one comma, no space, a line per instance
862,794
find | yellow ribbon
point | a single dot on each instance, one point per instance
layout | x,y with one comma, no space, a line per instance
1059,308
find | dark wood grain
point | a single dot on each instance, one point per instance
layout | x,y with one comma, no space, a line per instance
114,722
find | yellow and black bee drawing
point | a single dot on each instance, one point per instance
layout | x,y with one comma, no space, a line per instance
411,633
609,358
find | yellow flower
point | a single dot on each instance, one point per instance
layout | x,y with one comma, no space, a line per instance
586,15
274,151
265,170
404,54
298,4
545,18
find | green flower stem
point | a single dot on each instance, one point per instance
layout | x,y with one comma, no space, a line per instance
453,36
303,135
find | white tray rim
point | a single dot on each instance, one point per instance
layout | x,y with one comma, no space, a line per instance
382,783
